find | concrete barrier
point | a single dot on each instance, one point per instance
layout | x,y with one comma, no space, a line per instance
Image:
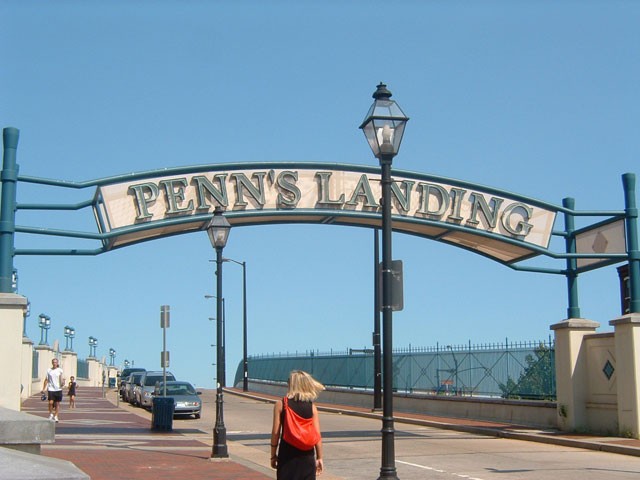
20,441
532,413
21,431
16,465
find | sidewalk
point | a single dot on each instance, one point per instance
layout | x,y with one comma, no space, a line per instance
108,443
624,446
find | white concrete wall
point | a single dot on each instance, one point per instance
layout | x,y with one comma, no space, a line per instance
69,365
627,344
26,365
571,372
12,311
533,413
602,394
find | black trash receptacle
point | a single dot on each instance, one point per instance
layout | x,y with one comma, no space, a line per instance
162,413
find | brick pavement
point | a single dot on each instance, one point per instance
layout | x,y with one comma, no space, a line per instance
108,443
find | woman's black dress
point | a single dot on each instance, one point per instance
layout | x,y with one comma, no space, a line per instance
295,464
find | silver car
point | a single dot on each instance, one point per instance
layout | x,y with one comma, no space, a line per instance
148,381
186,398
132,387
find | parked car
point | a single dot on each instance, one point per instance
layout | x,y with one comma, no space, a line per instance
133,387
186,398
148,380
126,388
124,375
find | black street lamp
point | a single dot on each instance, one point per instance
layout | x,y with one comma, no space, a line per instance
112,356
69,333
383,127
44,322
223,380
218,230
245,360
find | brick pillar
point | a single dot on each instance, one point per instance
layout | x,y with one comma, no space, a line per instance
627,341
12,311
69,365
26,368
571,371
45,355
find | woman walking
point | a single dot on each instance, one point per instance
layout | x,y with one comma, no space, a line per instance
72,392
292,463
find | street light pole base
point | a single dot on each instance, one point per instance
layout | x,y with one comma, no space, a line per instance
220,459
388,475
219,449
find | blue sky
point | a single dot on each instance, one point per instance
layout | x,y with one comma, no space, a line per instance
539,98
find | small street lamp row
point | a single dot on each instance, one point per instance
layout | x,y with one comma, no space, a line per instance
44,322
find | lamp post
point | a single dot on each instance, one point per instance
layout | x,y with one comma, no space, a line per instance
383,128
223,379
112,356
455,371
126,363
93,343
218,230
69,333
245,360
27,312
44,322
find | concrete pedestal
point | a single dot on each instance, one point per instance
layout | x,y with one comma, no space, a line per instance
45,355
12,311
95,372
627,341
69,365
26,369
572,372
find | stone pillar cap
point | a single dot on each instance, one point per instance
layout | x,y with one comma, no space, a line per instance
629,318
576,324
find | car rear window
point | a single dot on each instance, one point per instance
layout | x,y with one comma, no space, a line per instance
151,380
182,389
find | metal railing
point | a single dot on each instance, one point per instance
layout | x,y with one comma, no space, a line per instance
524,370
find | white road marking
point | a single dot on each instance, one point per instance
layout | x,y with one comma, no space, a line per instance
425,467
93,421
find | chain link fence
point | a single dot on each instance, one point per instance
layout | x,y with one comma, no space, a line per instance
524,370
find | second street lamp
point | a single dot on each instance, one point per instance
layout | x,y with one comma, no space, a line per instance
218,230
245,360
383,127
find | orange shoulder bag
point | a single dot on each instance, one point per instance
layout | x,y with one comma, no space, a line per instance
298,431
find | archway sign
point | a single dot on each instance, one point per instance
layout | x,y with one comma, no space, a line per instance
503,226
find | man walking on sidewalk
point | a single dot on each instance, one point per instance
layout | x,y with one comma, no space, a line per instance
53,383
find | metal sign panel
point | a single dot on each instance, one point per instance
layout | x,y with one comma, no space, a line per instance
499,225
607,238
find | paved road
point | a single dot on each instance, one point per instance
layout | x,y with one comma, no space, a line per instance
352,448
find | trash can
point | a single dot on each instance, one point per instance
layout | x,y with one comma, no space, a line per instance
162,413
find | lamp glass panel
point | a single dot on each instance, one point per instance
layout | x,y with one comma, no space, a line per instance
218,236
384,127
